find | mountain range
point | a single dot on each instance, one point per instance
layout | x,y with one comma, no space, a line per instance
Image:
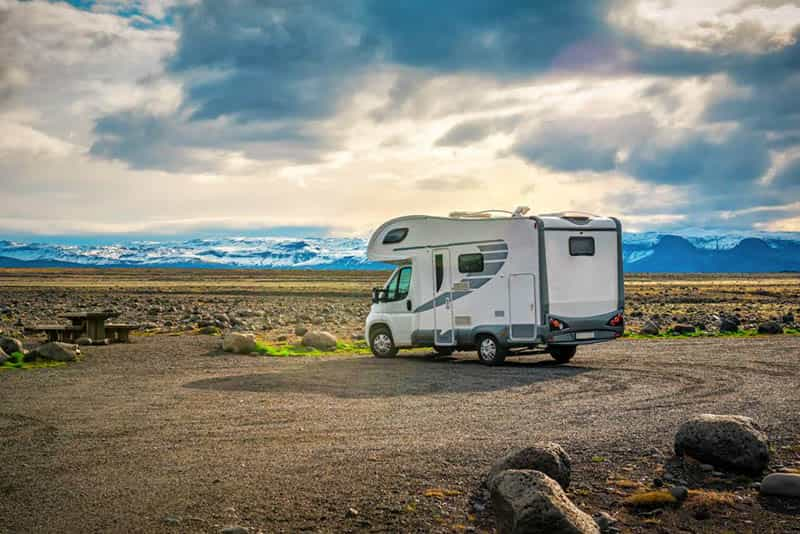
691,250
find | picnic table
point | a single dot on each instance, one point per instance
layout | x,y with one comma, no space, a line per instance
93,323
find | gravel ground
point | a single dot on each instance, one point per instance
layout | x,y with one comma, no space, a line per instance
167,434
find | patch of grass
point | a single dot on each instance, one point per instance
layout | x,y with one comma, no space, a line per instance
649,500
16,360
441,493
598,459
627,484
288,349
752,332
709,500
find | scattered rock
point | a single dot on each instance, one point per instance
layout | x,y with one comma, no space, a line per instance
605,522
3,357
83,341
300,330
234,530
209,331
731,441
239,343
683,329
55,351
729,324
529,501
319,340
171,520
706,468
351,512
788,318
770,327
679,492
781,484
650,328
10,345
548,458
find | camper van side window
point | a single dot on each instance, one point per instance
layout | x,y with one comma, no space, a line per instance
395,236
439,271
398,286
470,263
581,246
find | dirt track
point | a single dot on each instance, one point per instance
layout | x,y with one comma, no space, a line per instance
167,435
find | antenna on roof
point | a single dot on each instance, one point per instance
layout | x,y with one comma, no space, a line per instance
484,214
520,211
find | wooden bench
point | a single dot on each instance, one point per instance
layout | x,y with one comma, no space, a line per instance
119,333
60,332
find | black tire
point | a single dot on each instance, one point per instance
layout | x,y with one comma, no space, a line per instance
562,353
381,343
444,351
489,350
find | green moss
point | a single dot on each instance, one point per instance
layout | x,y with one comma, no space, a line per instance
700,333
16,360
286,349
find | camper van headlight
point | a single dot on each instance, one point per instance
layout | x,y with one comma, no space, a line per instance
617,320
555,324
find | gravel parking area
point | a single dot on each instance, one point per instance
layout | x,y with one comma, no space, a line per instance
168,434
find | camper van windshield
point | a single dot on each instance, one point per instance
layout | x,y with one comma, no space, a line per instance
399,284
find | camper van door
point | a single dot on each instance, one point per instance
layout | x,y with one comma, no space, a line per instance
442,301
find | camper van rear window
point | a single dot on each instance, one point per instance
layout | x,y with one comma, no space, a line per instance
470,263
395,236
581,246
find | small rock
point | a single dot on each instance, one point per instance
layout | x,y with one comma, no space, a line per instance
209,331
679,492
300,330
781,484
605,522
55,351
83,341
706,467
683,329
657,482
717,474
234,530
171,520
3,357
239,343
529,501
548,458
788,318
351,512
650,328
728,324
770,327
319,340
10,345
731,441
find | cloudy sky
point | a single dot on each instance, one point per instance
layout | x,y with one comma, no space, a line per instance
159,117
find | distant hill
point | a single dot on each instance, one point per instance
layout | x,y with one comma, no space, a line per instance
691,250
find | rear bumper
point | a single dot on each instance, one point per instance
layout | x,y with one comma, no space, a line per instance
584,330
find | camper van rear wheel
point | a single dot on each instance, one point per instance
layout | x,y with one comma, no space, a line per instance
563,353
489,351
382,344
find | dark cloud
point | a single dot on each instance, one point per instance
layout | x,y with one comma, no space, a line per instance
469,132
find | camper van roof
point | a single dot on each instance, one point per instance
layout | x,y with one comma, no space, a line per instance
391,241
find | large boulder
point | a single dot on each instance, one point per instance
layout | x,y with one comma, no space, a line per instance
770,327
526,501
239,343
55,351
319,340
781,484
729,323
730,441
683,329
548,458
9,345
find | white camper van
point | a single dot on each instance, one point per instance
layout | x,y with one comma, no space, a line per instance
505,285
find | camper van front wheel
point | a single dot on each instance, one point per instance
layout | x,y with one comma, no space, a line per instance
490,352
382,344
562,354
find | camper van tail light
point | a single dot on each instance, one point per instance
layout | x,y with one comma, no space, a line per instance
617,320
555,324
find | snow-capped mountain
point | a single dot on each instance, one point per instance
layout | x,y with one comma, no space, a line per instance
691,250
